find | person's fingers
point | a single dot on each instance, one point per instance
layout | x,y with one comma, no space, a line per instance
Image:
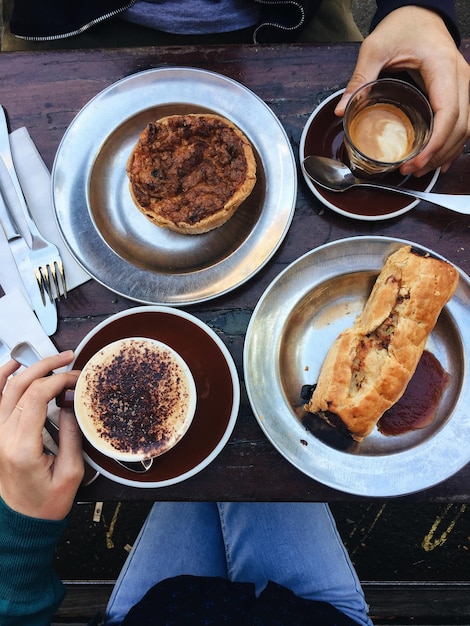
32,482
21,432
69,465
17,385
48,364
6,371
450,101
442,89
369,63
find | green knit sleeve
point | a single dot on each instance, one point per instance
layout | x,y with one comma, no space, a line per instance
30,590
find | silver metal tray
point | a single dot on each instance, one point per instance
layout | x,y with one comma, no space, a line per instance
294,324
120,247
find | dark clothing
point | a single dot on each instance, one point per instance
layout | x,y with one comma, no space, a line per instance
201,601
281,20
56,19
445,8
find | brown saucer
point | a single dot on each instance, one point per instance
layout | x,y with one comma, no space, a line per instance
323,135
216,382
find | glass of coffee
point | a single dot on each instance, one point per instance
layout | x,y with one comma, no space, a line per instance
386,122
135,399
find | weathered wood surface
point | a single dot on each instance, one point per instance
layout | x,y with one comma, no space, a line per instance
43,91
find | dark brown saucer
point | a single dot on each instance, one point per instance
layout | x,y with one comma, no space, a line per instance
323,136
216,382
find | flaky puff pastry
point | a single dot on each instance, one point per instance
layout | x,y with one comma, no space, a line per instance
369,366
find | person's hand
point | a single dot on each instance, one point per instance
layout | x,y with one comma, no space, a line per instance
416,39
32,482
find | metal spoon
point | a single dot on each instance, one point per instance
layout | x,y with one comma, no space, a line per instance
336,176
139,467
27,355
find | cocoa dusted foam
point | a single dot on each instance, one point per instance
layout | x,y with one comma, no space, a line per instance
382,132
135,399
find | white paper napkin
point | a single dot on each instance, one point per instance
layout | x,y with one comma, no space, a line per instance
35,181
19,323
17,320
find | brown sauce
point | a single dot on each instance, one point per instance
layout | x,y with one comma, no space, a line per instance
417,407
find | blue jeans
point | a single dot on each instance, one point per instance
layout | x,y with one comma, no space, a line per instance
294,544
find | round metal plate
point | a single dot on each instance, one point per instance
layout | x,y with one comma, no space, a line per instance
120,247
292,328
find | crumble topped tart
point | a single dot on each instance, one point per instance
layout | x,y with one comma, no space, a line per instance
190,173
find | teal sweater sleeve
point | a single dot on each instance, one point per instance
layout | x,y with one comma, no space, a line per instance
30,590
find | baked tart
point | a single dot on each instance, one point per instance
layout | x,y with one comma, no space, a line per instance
190,173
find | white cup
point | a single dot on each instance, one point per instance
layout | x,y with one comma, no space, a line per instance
135,399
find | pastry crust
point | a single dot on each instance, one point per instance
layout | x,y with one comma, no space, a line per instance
369,366
190,173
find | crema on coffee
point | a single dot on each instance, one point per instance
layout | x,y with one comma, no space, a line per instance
382,132
135,399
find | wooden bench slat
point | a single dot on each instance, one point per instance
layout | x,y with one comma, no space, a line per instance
396,602
418,601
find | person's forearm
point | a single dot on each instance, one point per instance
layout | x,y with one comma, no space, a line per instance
30,590
445,8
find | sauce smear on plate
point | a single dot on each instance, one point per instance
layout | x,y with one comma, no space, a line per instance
417,406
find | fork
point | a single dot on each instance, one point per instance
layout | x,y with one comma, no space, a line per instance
44,256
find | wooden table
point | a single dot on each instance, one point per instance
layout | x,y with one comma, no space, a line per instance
44,91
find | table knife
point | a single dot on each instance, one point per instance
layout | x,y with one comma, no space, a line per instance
45,311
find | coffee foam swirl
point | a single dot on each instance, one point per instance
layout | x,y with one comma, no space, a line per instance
382,132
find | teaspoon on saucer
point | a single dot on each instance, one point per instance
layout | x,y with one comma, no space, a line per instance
336,176
139,467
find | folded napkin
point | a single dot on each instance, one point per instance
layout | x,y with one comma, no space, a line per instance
35,181
10,279
17,320
19,323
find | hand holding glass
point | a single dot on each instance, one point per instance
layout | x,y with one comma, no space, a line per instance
386,123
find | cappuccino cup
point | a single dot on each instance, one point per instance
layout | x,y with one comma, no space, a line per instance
135,399
386,123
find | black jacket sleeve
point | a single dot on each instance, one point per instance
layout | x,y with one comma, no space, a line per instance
57,19
445,8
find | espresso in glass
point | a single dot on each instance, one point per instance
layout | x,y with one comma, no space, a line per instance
382,132
386,122
135,399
